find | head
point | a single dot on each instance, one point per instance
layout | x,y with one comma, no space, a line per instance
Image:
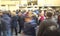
28,19
19,14
1,13
13,13
9,12
30,14
49,14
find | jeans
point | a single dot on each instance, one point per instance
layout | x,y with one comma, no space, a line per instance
9,32
3,32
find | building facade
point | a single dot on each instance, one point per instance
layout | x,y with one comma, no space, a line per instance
14,4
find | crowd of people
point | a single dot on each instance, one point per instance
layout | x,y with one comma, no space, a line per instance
31,23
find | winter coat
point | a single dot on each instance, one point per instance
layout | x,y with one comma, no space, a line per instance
29,28
6,22
43,28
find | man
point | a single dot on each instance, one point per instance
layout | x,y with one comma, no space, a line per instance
6,24
20,21
48,27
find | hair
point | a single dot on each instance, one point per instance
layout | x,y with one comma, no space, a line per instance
28,17
49,14
0,11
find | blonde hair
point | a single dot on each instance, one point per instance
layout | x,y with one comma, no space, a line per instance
13,13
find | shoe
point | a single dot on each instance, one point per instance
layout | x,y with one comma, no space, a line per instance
16,35
19,32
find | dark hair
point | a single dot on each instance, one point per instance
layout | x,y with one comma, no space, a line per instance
49,14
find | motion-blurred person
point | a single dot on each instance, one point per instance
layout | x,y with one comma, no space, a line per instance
48,27
14,23
6,24
35,17
58,21
7,21
20,21
41,17
29,27
1,14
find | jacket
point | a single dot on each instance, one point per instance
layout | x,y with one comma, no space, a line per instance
29,28
6,22
14,21
21,20
43,27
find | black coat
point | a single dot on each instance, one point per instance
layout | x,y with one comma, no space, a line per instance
21,20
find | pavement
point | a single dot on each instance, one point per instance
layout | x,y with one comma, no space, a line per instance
18,35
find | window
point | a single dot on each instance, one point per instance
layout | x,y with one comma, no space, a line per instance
3,5
34,2
29,3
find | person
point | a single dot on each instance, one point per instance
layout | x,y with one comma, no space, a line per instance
58,21
7,23
6,26
48,27
35,17
0,22
20,21
41,17
14,23
29,27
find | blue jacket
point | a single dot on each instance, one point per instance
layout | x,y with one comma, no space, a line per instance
6,22
29,28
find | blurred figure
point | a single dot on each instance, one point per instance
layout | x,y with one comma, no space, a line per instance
58,21
6,24
48,27
35,17
14,23
7,21
29,27
20,21
1,14
41,17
